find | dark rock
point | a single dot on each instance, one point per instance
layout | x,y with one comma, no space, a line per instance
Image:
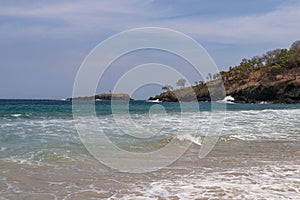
105,96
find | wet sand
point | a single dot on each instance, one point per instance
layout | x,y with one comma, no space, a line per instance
235,169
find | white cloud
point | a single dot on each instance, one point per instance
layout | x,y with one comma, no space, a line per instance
279,26
79,18
84,18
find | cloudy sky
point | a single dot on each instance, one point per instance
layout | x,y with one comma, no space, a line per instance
43,43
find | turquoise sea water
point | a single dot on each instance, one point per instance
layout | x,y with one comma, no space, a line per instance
27,126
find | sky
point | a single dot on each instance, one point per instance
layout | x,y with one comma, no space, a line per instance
43,43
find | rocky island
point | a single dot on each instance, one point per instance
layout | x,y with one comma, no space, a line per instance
273,77
105,96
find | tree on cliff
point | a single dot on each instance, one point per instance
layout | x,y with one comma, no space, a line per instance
168,88
209,77
295,46
181,83
294,57
277,58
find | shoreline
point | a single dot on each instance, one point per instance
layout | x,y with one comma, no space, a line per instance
236,102
233,169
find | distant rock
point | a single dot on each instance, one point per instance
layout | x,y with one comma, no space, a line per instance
113,96
105,96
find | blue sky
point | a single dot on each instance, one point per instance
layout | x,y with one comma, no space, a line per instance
43,43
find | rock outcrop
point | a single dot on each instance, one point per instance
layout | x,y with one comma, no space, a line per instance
270,85
105,96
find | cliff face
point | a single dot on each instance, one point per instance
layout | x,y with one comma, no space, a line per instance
270,85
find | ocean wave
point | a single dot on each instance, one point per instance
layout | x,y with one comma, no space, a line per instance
194,139
16,115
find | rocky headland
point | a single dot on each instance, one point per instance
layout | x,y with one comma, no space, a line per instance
273,77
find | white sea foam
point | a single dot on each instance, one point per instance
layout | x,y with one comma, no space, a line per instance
196,140
227,99
265,124
247,125
251,124
154,101
16,115
276,181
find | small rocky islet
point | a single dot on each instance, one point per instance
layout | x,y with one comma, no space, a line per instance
105,96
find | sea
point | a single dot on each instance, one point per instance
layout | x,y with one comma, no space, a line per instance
44,153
